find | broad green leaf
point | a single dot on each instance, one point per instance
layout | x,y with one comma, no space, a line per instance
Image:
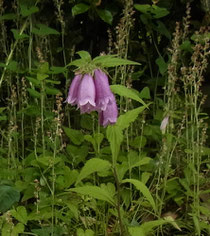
145,93
115,138
57,70
43,30
161,28
27,11
8,196
52,91
20,214
110,61
163,66
77,62
143,189
35,82
34,93
84,55
17,34
153,11
13,66
105,15
95,192
146,227
52,81
9,16
79,9
18,229
77,154
75,135
187,46
126,92
91,166
130,116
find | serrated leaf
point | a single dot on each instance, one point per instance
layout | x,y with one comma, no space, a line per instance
91,166
79,9
95,192
8,196
126,92
105,15
75,135
20,214
143,189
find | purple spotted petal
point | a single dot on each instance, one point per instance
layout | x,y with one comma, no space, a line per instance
86,94
109,116
103,92
73,90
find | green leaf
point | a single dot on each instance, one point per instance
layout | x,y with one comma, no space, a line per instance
130,116
112,61
34,93
77,62
84,55
163,66
8,196
105,15
27,11
52,91
13,66
34,81
17,34
143,189
79,9
126,92
154,11
161,28
43,30
75,135
9,16
115,138
20,214
95,192
145,93
146,227
91,166
77,154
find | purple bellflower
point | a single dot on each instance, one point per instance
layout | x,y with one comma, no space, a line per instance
109,116
94,94
104,95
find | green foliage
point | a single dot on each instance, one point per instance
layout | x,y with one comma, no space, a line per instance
8,196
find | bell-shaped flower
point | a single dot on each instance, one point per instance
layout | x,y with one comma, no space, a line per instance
109,116
73,90
86,94
103,92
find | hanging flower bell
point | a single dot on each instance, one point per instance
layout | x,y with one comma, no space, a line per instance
94,94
